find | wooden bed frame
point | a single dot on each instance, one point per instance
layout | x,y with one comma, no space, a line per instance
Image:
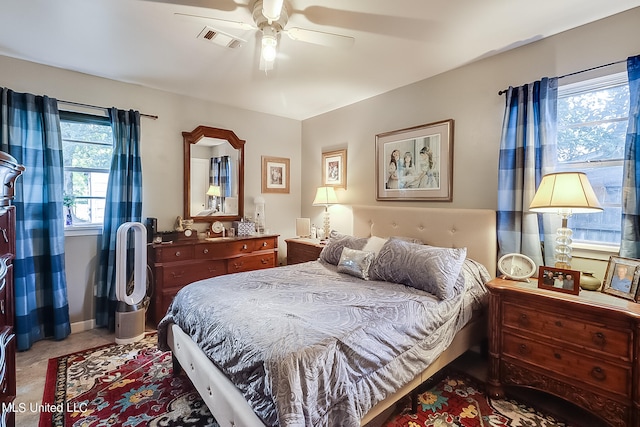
474,229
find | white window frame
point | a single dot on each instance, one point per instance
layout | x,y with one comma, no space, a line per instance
598,250
92,229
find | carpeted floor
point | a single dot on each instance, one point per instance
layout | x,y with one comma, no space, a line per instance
133,385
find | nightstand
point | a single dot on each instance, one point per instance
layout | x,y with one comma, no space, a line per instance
303,250
583,348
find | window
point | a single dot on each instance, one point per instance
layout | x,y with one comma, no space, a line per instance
592,126
87,144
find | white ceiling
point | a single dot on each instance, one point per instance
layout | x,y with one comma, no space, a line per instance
396,43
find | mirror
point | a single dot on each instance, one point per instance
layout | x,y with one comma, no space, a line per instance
213,175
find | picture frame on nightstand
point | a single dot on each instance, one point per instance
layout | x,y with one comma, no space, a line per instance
622,277
559,279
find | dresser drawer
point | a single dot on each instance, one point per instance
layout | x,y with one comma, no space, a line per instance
184,273
251,262
572,330
578,366
170,253
239,248
264,244
7,229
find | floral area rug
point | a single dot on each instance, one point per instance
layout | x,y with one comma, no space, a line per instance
457,400
133,385
120,385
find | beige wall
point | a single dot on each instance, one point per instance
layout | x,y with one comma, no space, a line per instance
161,151
469,95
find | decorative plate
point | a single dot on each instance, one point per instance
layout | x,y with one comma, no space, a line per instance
516,266
217,227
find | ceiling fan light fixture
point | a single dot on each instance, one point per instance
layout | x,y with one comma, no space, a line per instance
269,46
271,9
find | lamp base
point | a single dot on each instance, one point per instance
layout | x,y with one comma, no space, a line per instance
326,226
563,247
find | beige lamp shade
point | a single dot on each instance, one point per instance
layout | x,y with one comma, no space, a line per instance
570,191
325,196
214,190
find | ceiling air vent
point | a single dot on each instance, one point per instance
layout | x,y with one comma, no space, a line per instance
220,38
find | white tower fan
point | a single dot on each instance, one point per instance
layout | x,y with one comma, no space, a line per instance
130,311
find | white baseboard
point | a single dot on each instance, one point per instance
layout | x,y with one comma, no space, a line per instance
85,325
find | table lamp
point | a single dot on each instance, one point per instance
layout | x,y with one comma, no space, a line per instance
564,193
214,191
325,196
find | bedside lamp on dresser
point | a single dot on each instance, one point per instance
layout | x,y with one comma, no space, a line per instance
564,193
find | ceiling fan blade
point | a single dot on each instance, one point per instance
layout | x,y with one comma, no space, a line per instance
271,9
209,21
320,38
222,5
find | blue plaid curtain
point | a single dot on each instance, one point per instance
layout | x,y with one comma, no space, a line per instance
630,244
527,152
30,132
123,204
221,173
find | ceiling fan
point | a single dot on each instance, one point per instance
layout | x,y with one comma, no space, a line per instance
270,17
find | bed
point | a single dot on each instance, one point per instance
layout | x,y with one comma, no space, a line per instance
319,388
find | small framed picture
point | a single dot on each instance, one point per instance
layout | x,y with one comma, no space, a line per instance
334,169
559,279
621,278
275,175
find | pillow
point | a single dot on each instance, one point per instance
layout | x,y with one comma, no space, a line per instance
429,268
374,244
355,262
408,239
333,250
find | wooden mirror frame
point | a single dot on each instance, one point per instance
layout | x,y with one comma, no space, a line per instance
193,137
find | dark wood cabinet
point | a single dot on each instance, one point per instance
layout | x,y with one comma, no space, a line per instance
583,348
9,171
303,250
175,265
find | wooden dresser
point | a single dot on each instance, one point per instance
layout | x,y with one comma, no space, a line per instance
583,348
177,264
9,171
303,250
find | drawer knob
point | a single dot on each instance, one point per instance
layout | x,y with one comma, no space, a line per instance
205,251
558,323
264,261
244,247
523,349
523,320
264,244
599,339
178,253
598,373
557,356
177,275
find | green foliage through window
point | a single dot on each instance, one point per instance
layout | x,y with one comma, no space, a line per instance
87,144
592,126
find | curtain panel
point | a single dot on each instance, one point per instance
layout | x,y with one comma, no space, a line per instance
123,204
30,132
527,152
630,242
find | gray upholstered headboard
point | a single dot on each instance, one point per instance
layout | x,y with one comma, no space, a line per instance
474,229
